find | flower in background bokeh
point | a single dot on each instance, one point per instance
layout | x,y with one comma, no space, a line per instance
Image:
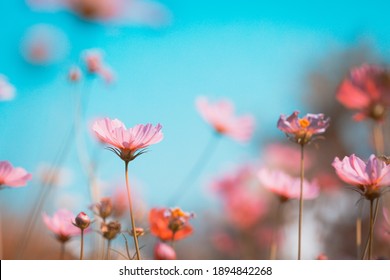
126,143
367,90
232,180
244,208
369,178
285,157
285,186
7,91
44,45
12,176
118,12
220,115
61,224
74,74
163,251
95,65
303,130
170,224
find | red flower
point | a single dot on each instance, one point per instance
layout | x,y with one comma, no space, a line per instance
170,224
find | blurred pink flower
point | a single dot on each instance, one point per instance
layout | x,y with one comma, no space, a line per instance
74,74
285,157
126,143
7,91
224,243
368,177
232,180
367,90
383,231
93,60
61,224
244,209
285,186
303,130
221,116
12,176
119,12
44,44
163,251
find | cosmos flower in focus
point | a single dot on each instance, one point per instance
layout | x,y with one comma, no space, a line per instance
366,90
170,224
61,224
285,186
126,143
303,130
7,91
220,115
12,176
44,45
369,178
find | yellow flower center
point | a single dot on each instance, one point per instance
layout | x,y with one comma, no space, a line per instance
177,213
304,122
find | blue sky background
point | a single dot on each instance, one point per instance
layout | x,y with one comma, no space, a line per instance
255,53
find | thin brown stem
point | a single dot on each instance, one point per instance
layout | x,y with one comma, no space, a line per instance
62,251
108,249
302,175
371,236
82,245
131,212
368,239
274,241
378,138
359,230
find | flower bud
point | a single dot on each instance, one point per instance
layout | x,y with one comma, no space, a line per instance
110,230
163,251
82,221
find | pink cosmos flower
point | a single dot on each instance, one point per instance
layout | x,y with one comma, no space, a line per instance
303,130
369,177
7,91
285,186
126,143
61,224
163,251
221,116
367,90
11,176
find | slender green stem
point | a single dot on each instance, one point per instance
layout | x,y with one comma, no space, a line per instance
82,245
131,212
302,176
